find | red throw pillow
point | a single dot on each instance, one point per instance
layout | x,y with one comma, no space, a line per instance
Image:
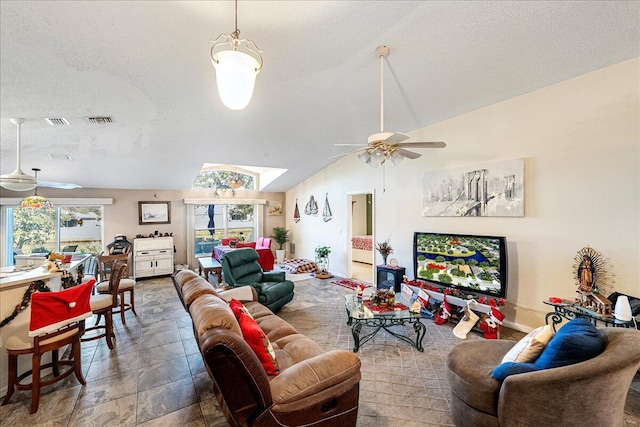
255,337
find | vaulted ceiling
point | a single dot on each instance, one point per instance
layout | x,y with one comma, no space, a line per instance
146,64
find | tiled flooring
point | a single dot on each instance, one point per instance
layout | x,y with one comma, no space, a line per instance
155,375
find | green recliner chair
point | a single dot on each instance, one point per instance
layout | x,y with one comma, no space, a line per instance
240,268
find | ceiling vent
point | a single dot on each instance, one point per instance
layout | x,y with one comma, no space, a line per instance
57,121
100,120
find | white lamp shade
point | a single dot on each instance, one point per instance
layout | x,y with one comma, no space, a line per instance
364,157
623,309
236,77
377,156
396,158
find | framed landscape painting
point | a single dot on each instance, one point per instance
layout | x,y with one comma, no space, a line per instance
492,189
154,212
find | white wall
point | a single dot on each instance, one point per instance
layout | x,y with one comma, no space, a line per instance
581,142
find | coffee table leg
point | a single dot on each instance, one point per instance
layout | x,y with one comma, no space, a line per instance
420,331
355,331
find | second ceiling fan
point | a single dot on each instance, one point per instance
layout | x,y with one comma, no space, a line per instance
385,146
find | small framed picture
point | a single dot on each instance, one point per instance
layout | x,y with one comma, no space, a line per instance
154,212
274,208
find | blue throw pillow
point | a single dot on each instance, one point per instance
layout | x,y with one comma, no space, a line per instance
505,369
575,342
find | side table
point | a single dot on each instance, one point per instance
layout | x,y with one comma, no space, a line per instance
564,311
387,273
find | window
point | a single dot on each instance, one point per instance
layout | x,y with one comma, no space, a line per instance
64,228
215,221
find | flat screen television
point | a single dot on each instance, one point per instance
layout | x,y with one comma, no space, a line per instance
467,262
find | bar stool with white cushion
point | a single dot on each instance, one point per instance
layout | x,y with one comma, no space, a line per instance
103,305
105,263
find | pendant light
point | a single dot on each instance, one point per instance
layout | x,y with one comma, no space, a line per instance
18,180
236,71
35,201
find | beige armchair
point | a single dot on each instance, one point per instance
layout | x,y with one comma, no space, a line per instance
588,393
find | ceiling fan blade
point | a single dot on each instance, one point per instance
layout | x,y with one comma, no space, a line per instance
388,137
350,152
350,145
434,144
60,185
408,154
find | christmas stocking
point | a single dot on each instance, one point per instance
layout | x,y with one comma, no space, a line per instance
466,324
490,322
444,313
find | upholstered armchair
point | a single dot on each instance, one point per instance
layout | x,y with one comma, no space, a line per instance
240,267
589,393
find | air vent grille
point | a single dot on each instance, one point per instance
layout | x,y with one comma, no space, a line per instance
57,121
101,120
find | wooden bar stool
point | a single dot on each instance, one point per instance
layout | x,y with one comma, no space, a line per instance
103,305
127,285
57,320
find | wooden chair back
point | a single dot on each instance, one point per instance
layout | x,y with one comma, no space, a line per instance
106,264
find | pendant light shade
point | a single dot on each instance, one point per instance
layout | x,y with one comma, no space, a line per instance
236,70
35,201
236,77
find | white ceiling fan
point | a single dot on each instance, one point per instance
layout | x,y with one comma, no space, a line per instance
385,146
20,181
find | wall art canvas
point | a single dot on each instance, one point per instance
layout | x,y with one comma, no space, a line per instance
492,189
274,208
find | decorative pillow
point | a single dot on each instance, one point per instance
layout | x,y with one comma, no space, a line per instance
246,245
503,370
529,348
256,338
575,342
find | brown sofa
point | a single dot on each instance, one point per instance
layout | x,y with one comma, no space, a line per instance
589,393
314,387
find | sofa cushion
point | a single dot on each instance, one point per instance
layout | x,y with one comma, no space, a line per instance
255,338
505,369
530,347
194,288
577,341
211,311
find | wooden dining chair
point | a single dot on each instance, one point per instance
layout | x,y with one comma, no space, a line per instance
127,285
103,304
57,320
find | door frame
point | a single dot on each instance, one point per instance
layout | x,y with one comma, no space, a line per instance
349,228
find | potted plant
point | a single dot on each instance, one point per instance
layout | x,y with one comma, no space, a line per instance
322,261
280,236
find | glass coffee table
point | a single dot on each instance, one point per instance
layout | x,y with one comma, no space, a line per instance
358,317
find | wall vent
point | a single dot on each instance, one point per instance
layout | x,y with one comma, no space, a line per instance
100,120
57,121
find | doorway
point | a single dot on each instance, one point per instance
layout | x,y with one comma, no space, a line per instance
361,244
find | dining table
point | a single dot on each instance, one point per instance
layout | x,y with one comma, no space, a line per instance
265,256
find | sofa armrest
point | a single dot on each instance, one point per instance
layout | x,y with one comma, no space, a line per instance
274,276
313,375
242,293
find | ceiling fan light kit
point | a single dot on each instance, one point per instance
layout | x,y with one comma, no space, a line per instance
18,180
35,201
236,71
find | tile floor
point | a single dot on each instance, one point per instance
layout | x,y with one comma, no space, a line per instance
155,375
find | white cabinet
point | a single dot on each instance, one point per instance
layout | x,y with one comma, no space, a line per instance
153,256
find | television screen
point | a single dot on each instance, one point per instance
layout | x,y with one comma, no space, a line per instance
467,262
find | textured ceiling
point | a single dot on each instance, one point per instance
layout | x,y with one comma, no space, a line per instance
146,64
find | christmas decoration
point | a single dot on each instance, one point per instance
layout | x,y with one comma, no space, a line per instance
37,286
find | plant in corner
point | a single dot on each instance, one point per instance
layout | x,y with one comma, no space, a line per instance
280,236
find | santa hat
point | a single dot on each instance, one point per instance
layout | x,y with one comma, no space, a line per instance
496,315
52,310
